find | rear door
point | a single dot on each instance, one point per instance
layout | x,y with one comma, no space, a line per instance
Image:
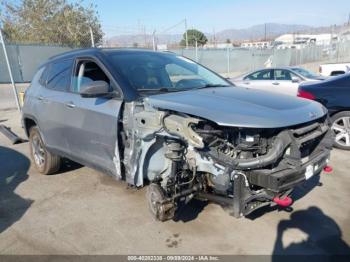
93,122
283,82
51,112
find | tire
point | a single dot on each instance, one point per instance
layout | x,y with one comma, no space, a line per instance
45,162
341,130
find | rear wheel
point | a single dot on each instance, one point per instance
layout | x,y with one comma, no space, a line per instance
341,130
45,162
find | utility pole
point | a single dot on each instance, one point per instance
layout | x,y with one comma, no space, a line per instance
144,35
154,40
196,46
186,33
228,59
265,32
92,37
2,41
214,37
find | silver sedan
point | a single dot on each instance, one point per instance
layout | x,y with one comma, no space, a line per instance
282,80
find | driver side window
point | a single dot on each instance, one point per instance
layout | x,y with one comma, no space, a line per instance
87,71
281,74
284,75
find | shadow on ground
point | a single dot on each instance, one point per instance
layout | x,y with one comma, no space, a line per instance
67,166
13,171
190,211
324,236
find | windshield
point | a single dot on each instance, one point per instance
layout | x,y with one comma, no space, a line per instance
156,71
305,73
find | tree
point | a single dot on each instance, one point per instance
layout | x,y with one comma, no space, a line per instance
193,35
50,22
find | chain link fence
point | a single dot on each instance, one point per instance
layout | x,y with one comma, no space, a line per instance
234,61
24,58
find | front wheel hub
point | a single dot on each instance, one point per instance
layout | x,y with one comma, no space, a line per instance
159,207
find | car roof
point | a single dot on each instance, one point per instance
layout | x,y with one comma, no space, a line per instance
278,67
268,68
95,51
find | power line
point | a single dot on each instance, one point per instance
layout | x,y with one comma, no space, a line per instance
173,26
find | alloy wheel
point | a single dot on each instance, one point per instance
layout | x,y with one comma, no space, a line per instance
38,151
341,129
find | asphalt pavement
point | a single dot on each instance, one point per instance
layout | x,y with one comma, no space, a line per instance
82,211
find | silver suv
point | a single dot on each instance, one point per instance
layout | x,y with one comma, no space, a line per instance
161,119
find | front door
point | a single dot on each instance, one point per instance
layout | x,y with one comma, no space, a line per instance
283,82
93,122
259,80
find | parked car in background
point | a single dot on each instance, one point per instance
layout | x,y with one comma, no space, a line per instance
283,80
334,69
161,119
334,94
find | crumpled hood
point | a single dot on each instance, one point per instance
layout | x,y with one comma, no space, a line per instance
241,107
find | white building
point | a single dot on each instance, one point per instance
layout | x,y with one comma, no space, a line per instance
302,39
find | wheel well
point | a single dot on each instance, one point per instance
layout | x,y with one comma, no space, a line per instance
28,123
340,111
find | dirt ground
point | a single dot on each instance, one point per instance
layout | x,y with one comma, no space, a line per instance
81,211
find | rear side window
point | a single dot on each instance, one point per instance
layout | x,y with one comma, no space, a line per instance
43,76
59,75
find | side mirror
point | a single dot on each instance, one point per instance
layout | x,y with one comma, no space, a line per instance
95,89
295,79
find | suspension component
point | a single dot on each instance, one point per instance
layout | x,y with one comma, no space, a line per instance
174,152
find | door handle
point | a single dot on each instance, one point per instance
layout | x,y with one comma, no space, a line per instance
246,83
275,83
70,104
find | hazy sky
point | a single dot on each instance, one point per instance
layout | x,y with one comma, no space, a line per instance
128,16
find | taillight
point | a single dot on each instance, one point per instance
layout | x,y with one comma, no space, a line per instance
305,94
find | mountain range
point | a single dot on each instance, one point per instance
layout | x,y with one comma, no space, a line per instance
256,32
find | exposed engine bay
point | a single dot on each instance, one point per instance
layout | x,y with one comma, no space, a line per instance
243,169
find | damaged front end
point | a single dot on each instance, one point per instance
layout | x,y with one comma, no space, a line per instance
243,169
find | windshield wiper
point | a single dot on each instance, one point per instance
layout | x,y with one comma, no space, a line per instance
212,85
163,89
